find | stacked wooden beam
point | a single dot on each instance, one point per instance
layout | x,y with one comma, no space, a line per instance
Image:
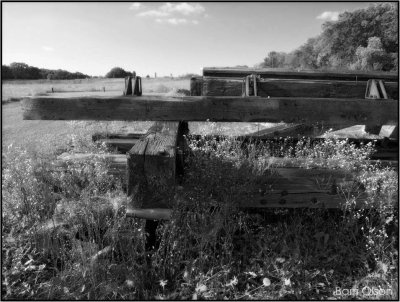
299,99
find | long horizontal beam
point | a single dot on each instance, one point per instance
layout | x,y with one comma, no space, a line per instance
335,112
317,75
216,86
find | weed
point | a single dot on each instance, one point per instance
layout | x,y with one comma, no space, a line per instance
210,249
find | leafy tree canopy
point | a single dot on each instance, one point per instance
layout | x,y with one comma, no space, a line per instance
117,72
365,39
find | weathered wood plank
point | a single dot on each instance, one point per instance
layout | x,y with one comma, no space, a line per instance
122,145
152,166
335,112
153,214
119,161
298,200
291,186
282,130
214,86
322,75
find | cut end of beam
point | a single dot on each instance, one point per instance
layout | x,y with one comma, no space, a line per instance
153,214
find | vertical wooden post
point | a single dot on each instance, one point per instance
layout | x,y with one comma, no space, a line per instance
152,166
152,163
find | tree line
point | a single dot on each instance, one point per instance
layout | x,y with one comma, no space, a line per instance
22,71
365,39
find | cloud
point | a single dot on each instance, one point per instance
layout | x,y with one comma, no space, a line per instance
135,6
173,21
329,16
183,8
153,13
47,48
172,13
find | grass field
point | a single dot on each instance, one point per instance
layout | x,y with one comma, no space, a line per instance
210,249
13,90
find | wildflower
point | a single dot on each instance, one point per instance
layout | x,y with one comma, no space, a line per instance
286,281
266,282
163,283
129,283
280,260
252,274
201,288
233,282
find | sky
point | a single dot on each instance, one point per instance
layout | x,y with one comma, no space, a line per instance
158,37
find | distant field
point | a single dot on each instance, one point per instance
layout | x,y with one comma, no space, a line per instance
13,90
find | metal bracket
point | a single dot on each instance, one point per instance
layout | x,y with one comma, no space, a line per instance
249,87
375,90
133,85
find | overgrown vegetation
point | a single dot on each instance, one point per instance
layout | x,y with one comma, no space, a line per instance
210,249
365,39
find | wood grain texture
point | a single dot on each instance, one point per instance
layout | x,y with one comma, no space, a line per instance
122,145
292,186
332,111
213,86
152,166
274,73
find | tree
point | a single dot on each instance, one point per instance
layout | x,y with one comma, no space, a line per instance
353,29
117,72
274,59
6,73
373,57
344,44
19,70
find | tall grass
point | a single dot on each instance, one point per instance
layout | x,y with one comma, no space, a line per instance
210,249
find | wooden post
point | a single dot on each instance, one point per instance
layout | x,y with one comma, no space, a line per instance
152,165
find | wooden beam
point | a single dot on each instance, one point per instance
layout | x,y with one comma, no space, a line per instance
214,86
279,74
122,145
152,166
153,214
291,186
335,112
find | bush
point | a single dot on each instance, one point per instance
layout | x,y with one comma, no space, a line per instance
117,72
